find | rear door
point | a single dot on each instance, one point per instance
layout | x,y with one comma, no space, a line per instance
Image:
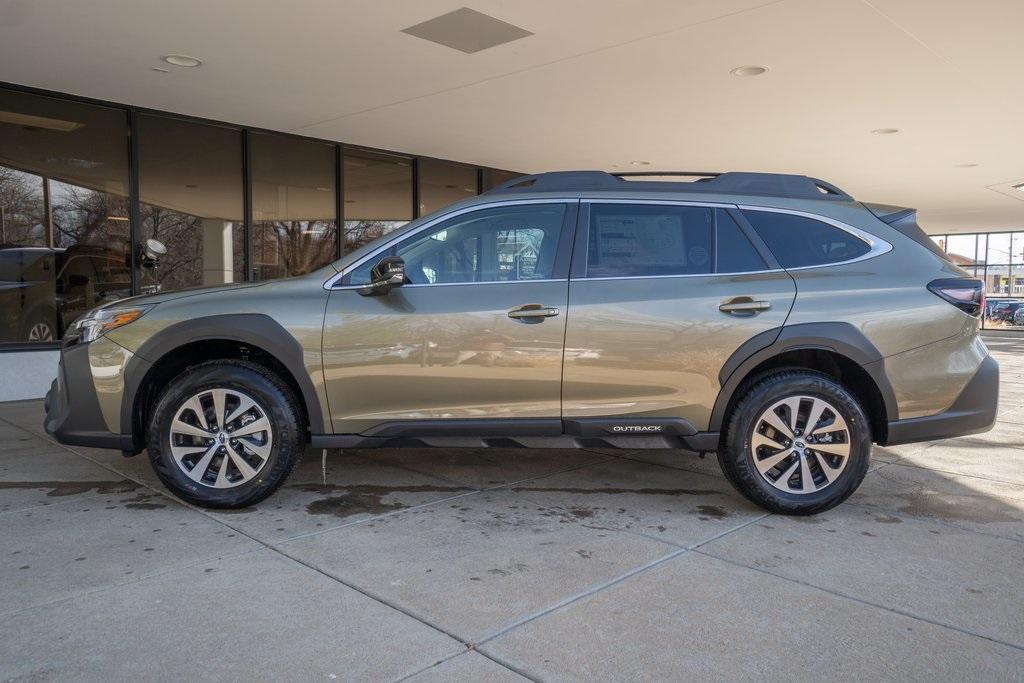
661,294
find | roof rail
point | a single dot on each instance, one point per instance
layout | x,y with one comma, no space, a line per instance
733,182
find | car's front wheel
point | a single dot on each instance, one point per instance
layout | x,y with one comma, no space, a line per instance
797,443
225,434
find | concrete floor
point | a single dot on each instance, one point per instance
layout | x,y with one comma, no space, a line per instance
493,565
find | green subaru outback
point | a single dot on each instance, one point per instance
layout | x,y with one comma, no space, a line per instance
770,318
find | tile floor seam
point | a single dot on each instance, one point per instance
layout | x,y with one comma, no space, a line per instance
958,474
612,582
367,593
934,520
317,532
62,503
565,602
625,456
470,492
129,582
639,534
468,651
372,518
501,661
265,544
430,666
862,601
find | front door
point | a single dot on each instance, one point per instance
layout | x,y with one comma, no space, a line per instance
476,333
661,295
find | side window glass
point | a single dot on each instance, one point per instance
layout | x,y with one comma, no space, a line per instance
637,239
735,253
499,244
798,241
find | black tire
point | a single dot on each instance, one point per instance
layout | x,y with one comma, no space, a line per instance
736,458
276,400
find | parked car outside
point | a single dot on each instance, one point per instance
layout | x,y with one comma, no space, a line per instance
772,319
44,290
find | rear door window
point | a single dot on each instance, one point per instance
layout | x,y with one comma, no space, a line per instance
629,240
651,240
799,241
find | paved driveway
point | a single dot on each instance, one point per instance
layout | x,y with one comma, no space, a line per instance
494,565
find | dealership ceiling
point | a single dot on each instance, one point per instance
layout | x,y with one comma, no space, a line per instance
585,83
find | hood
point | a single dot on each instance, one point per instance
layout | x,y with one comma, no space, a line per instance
161,297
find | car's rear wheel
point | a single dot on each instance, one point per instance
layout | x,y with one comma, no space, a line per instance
797,443
225,434
39,327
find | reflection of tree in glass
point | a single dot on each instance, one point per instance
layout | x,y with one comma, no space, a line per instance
182,265
21,209
358,233
86,217
288,248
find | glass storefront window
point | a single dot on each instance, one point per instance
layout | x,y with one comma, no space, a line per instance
66,232
493,177
293,205
443,183
64,229
190,190
961,249
998,248
22,209
378,195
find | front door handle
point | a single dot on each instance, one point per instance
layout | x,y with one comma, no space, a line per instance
744,305
533,312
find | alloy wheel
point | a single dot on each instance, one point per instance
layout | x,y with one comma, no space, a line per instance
800,444
221,438
40,332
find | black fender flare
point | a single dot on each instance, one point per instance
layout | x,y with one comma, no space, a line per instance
838,337
256,329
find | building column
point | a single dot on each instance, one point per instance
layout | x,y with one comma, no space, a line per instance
218,256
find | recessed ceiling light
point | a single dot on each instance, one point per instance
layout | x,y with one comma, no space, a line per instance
749,70
885,131
182,60
639,163
966,164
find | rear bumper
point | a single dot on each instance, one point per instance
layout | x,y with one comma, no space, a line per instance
73,414
973,411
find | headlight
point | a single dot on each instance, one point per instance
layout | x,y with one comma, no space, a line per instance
97,323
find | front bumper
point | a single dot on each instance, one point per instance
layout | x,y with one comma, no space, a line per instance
973,411
73,414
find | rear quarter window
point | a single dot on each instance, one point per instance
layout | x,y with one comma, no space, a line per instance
799,241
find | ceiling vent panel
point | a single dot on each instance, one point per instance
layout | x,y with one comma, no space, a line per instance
467,30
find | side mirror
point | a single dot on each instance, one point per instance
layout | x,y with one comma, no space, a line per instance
388,273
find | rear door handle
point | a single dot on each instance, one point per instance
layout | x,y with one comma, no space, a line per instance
533,312
744,305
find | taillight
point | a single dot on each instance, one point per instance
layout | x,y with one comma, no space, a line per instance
966,294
